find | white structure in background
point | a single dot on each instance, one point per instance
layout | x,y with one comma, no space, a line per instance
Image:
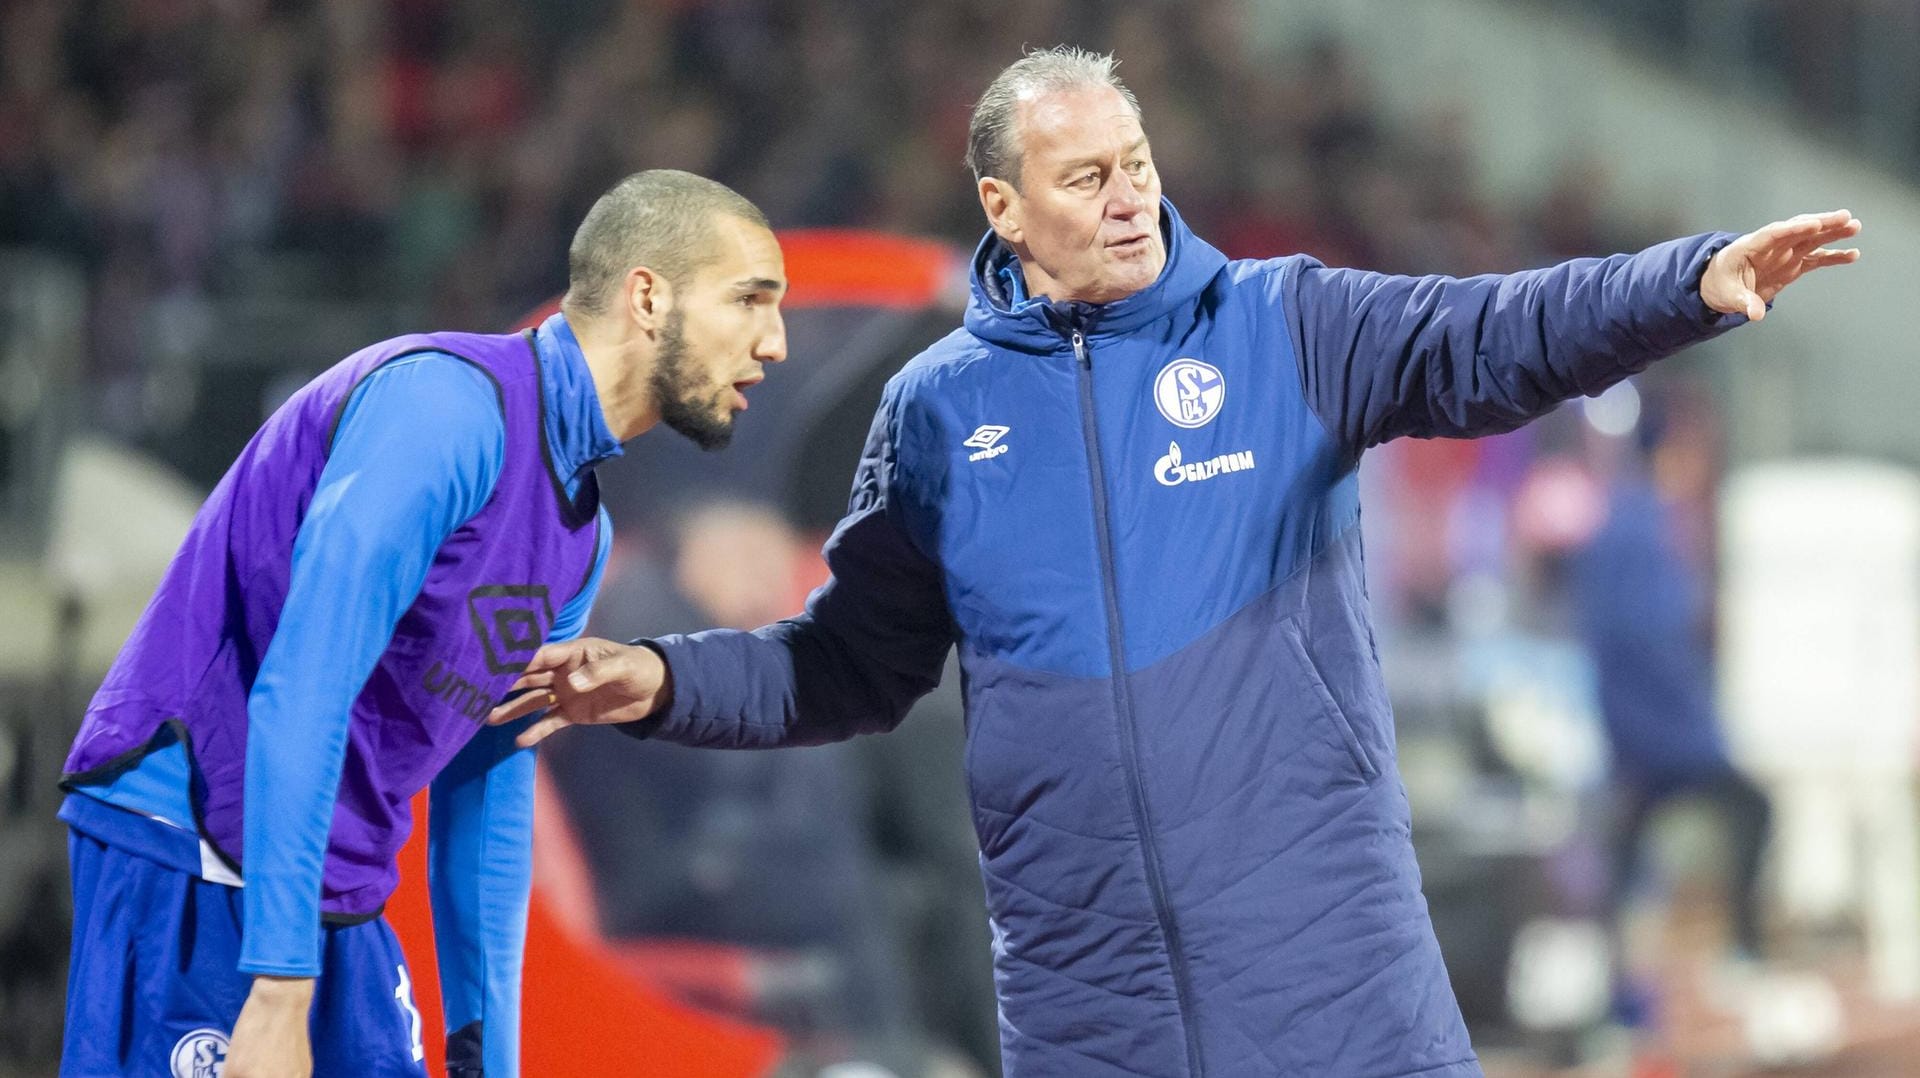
1820,676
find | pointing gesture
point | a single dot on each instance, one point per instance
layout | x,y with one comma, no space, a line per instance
1746,274
586,682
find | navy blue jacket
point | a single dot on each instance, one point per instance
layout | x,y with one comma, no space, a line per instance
1139,523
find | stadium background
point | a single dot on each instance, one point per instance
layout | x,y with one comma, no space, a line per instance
203,202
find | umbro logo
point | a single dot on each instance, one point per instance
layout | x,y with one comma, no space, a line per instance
986,441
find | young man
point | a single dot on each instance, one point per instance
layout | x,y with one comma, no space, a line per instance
362,585
1127,488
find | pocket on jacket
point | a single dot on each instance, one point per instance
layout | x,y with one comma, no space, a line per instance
1329,708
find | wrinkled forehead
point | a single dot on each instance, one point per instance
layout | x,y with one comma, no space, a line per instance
1057,126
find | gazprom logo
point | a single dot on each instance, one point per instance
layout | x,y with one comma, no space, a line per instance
1171,470
1189,393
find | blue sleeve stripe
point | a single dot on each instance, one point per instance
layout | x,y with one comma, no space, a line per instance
362,552
480,876
480,862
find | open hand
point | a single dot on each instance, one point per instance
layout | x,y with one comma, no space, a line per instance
586,682
1746,274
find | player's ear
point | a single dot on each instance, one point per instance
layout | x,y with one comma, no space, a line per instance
1002,204
649,297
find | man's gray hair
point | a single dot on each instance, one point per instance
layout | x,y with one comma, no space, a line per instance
662,219
993,145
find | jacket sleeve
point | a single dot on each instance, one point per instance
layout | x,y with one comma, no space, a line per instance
1382,356
873,638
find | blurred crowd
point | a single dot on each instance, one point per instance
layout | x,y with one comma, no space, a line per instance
440,151
1845,65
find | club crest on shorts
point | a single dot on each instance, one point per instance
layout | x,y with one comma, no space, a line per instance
200,1054
1189,393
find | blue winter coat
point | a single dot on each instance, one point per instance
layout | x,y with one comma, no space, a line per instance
1139,524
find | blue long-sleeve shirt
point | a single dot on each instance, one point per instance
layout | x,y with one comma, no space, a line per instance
361,555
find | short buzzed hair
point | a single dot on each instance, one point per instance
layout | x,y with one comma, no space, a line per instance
661,219
993,148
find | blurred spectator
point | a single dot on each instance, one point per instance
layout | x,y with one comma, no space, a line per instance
778,855
1641,594
761,852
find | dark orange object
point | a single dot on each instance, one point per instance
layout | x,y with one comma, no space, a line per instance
831,267
582,1014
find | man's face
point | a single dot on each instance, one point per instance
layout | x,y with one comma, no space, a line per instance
724,323
1086,217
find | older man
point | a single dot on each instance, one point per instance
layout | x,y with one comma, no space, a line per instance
1126,488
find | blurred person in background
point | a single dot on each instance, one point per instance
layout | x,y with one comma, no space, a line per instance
1126,488
365,582
1642,596
841,884
752,883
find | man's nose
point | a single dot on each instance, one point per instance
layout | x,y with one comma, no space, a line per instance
772,345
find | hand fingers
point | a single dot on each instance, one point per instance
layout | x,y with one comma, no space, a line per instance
597,674
1801,234
1800,226
1756,307
540,679
555,656
525,704
1830,257
541,730
1807,242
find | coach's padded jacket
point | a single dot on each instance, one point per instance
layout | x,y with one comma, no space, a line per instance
1139,523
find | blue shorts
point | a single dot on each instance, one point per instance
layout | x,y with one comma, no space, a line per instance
153,990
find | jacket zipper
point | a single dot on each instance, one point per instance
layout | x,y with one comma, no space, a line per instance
1123,704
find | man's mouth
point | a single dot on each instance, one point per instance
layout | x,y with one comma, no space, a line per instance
1131,245
740,392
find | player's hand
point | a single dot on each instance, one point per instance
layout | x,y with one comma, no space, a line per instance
270,1039
1746,274
586,682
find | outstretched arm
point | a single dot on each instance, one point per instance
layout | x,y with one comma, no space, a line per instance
873,640
1383,356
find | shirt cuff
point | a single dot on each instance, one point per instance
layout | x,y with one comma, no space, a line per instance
644,729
